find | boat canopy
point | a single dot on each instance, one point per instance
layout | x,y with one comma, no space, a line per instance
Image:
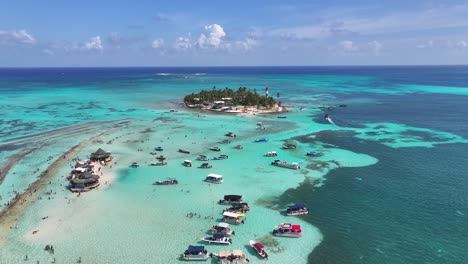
296,207
232,197
187,161
237,253
223,225
217,176
296,227
224,254
229,214
218,236
80,169
196,249
258,245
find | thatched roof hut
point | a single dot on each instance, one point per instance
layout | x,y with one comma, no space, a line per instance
100,154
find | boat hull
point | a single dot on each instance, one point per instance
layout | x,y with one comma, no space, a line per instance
252,244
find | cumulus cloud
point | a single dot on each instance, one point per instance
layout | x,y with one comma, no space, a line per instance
94,44
48,52
246,44
428,44
157,43
461,44
213,39
16,37
347,46
375,46
182,43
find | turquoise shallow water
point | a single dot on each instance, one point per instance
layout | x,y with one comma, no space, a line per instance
130,220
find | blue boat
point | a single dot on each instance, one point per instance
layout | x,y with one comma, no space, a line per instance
262,140
196,253
314,153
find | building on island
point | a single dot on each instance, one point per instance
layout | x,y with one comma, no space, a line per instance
84,182
101,156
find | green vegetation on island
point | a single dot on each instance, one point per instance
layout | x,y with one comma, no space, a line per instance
229,97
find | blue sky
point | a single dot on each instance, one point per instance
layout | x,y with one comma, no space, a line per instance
211,33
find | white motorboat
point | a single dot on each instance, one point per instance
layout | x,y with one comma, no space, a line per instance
297,209
214,178
287,230
218,239
222,228
284,164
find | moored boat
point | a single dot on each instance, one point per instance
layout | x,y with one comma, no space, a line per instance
313,153
205,166
221,157
297,209
287,230
158,149
196,253
160,163
184,151
187,163
236,257
233,218
262,140
230,199
168,181
215,149
238,146
217,239
258,248
284,164
244,206
230,134
214,178
288,146
134,165
203,158
222,228
271,154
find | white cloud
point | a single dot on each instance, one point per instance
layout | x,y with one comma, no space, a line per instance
375,46
214,39
461,44
416,21
246,44
428,44
16,37
347,46
48,52
94,44
157,43
182,43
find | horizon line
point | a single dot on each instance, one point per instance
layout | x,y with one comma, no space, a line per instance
236,66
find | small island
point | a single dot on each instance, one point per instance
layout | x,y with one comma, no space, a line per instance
242,100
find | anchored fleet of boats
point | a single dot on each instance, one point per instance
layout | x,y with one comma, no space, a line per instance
222,232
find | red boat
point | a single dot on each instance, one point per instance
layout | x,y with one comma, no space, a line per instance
259,248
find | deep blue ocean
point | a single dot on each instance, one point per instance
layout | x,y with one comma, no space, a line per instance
410,207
